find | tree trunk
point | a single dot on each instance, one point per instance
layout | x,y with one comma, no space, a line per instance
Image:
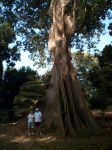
66,109
1,81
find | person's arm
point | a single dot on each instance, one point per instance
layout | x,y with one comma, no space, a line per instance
33,118
28,116
40,114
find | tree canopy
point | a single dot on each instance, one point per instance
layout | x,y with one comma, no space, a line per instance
31,22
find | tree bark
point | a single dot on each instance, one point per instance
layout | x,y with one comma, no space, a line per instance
66,109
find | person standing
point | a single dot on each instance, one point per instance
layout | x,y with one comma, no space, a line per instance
30,118
38,120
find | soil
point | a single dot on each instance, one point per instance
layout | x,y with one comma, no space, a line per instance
14,136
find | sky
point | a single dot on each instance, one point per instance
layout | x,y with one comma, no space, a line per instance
25,60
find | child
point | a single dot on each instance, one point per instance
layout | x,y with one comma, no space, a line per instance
30,118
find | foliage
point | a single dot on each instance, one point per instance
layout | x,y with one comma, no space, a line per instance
101,78
31,95
84,62
110,28
8,52
31,22
94,72
13,80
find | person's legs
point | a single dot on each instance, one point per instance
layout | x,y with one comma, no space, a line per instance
37,128
32,128
29,128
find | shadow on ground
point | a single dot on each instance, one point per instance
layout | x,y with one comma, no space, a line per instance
14,137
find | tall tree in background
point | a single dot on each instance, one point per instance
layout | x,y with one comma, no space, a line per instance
31,94
13,80
9,54
102,93
84,62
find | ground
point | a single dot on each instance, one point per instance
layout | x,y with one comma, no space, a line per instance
14,137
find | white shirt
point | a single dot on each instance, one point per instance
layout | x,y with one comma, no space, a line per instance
38,116
30,117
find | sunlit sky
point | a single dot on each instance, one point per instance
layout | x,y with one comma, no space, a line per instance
25,60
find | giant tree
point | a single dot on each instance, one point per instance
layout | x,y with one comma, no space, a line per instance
65,100
71,21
